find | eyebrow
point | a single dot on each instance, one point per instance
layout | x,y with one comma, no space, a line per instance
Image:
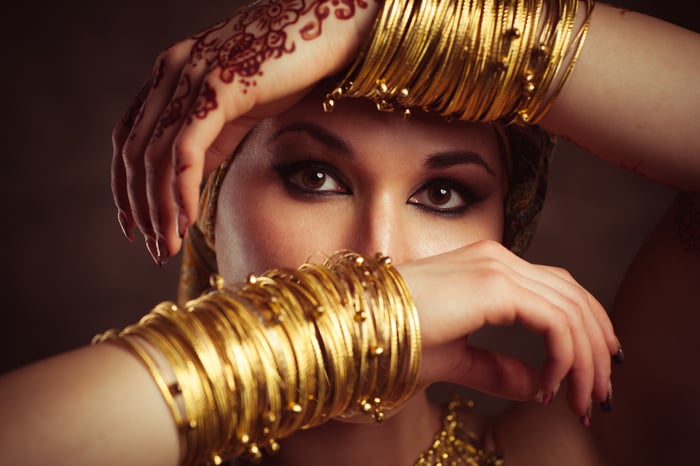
437,160
458,157
337,144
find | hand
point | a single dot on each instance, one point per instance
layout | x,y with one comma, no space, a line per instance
485,284
207,92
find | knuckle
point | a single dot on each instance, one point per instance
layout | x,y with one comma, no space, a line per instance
489,247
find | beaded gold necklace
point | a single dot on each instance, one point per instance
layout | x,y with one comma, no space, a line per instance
453,445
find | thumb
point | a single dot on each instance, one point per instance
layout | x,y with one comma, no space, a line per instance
486,371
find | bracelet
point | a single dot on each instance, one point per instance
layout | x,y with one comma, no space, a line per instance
471,60
287,350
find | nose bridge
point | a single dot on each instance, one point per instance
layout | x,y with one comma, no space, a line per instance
379,225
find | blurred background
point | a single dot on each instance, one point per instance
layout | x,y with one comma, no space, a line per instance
70,69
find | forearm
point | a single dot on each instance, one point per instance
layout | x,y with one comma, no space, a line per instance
633,97
95,405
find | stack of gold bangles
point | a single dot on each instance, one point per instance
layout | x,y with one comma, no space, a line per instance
289,349
471,60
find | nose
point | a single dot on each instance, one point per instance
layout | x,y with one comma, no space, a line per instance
380,225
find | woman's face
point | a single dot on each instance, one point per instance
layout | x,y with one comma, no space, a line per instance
309,182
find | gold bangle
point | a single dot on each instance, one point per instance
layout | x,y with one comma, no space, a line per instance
285,351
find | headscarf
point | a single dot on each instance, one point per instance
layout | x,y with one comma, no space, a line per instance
529,149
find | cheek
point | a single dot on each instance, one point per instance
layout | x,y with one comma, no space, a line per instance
255,232
430,238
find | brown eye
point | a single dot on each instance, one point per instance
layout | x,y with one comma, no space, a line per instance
443,196
313,179
439,195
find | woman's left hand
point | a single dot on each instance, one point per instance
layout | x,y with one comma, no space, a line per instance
207,92
459,292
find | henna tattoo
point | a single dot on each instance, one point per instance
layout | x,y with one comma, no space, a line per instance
174,111
686,227
158,72
321,12
206,101
135,111
239,46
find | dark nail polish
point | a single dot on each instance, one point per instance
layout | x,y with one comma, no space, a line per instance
619,357
607,404
124,224
152,249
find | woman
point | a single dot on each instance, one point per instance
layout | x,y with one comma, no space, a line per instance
439,192
292,179
598,108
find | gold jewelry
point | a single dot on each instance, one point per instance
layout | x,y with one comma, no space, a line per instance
453,445
473,60
287,350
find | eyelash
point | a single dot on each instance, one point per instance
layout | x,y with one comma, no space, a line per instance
468,197
288,171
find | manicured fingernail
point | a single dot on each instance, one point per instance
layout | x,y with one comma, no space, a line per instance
619,357
124,224
586,418
182,224
162,249
539,396
607,404
152,249
548,398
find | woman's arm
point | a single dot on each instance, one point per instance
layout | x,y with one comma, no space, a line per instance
99,405
633,97
94,405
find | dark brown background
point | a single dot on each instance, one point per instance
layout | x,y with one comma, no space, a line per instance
69,69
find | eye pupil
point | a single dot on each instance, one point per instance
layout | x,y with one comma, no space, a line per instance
313,178
439,196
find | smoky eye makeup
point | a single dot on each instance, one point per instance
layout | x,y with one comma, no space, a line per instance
445,197
312,178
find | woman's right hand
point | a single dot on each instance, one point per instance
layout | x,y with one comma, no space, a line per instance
206,92
457,293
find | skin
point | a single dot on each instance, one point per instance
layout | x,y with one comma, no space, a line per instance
374,195
378,193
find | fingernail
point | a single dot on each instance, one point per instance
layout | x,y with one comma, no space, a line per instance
124,224
586,418
606,405
162,249
548,398
182,224
539,396
152,249
619,357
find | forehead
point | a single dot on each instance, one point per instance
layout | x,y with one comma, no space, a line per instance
363,127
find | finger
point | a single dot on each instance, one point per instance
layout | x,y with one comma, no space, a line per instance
158,165
118,182
599,312
599,328
587,338
196,137
525,302
120,135
166,73
493,373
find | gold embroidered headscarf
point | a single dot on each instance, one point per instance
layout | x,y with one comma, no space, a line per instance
529,150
